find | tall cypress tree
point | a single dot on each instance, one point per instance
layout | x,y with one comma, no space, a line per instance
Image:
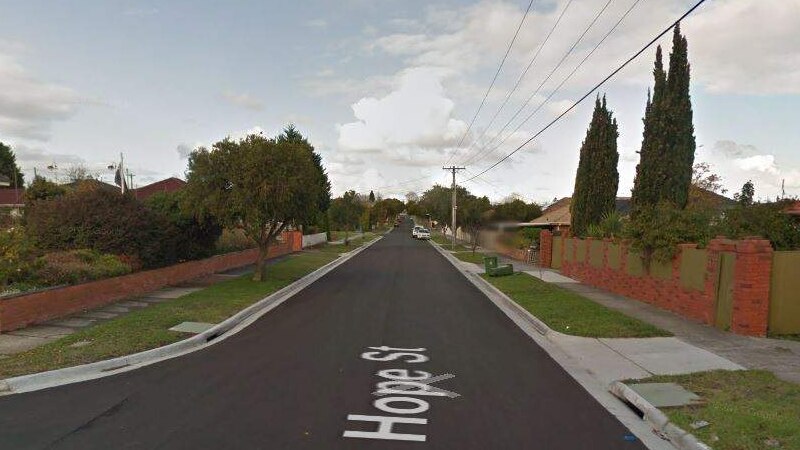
597,178
664,172
681,141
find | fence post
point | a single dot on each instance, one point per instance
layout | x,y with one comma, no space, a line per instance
546,248
751,284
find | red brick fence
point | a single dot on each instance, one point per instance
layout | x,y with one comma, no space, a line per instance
733,285
22,310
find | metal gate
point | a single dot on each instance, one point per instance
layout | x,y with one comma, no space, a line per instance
724,303
532,256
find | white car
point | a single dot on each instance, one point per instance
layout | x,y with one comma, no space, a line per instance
415,230
423,233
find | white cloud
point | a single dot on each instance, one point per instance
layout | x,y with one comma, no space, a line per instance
29,106
243,100
747,46
416,114
317,23
738,163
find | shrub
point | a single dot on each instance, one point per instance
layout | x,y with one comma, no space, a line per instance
767,220
15,256
657,231
522,238
233,241
102,220
189,236
78,266
612,225
42,189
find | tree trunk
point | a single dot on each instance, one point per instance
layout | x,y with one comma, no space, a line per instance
258,274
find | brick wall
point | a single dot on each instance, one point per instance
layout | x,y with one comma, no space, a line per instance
23,310
751,284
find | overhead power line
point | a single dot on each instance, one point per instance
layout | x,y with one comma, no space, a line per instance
545,80
494,79
522,76
593,89
558,88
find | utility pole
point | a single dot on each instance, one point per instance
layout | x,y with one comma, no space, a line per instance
454,169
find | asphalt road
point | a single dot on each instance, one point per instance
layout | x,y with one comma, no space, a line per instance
303,377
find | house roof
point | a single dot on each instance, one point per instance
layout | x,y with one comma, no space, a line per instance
171,184
555,214
11,197
794,209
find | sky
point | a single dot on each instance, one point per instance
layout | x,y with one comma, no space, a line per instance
386,90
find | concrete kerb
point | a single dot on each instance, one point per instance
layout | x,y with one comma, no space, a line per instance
220,332
679,437
541,334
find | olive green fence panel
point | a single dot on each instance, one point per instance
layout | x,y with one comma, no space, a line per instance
569,245
614,256
635,265
580,250
724,301
596,254
661,269
784,293
558,244
693,268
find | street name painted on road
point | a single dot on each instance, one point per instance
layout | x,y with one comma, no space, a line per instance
399,395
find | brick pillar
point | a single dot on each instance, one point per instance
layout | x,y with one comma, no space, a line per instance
546,248
751,282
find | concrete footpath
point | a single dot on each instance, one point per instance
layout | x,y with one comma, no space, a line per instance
781,357
612,359
36,335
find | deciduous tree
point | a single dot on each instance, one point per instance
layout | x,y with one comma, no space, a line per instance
258,184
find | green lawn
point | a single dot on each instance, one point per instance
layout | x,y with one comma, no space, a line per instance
148,328
746,409
568,312
447,243
468,256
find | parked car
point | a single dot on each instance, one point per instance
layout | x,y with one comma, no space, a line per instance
424,233
415,230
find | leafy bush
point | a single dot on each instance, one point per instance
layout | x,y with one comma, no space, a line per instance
657,231
767,220
15,256
234,241
190,236
612,225
78,266
42,189
102,220
522,238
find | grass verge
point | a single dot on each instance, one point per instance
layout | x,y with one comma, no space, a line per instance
468,256
746,409
569,313
447,243
148,328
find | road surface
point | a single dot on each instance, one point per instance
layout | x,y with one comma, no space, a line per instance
303,377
